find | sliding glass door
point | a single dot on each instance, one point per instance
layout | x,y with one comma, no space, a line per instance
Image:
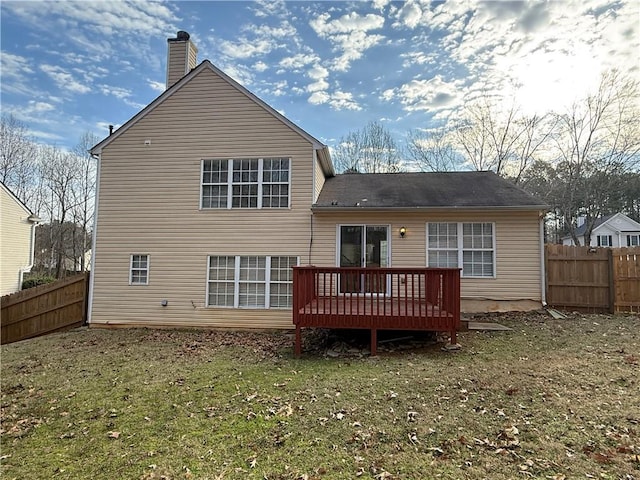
363,246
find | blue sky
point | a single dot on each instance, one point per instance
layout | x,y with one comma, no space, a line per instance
331,67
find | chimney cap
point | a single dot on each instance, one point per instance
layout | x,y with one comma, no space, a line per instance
181,36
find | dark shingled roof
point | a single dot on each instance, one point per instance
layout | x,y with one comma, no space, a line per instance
580,231
423,190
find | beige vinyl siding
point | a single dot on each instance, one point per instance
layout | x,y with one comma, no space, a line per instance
149,199
15,242
319,179
517,238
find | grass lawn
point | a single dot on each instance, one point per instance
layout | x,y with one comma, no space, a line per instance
552,399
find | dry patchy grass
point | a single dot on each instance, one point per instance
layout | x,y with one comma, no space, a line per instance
552,399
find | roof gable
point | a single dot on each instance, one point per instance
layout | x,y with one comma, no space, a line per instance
19,202
322,149
446,190
618,222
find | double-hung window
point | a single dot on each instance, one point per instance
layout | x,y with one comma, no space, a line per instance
633,240
246,183
139,269
605,241
250,281
467,245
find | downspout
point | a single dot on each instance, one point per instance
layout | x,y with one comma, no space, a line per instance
34,220
543,272
313,200
93,241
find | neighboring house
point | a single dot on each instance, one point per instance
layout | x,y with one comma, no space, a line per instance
16,240
208,197
616,230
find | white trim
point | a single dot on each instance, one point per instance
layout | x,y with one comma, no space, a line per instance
94,236
543,272
236,282
148,268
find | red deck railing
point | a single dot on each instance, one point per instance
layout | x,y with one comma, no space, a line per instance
376,299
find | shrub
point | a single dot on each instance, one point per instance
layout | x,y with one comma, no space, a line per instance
35,281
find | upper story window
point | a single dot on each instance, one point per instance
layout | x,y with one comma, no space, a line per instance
246,183
467,245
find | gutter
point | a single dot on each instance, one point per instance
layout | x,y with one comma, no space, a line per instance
445,208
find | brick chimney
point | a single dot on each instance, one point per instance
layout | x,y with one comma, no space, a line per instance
181,57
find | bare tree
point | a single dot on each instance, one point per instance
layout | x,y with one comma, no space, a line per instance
60,174
597,141
505,142
433,151
17,159
369,150
83,196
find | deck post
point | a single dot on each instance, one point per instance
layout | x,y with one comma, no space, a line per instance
374,341
298,341
454,338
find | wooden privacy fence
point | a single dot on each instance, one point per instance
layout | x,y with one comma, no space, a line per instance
45,309
593,279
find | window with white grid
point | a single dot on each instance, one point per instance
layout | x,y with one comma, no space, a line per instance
477,249
251,284
250,281
281,284
245,183
222,272
275,182
467,245
139,270
442,242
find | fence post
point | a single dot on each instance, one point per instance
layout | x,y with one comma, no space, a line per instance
612,282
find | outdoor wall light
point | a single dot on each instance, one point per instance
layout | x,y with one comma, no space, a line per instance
164,303
403,232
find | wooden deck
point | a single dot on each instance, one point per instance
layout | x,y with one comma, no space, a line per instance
376,299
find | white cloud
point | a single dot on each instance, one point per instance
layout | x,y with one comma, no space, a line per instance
347,23
14,66
298,61
243,48
343,101
40,107
410,14
270,8
87,24
318,98
425,95
64,80
157,86
348,34
380,4
260,66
